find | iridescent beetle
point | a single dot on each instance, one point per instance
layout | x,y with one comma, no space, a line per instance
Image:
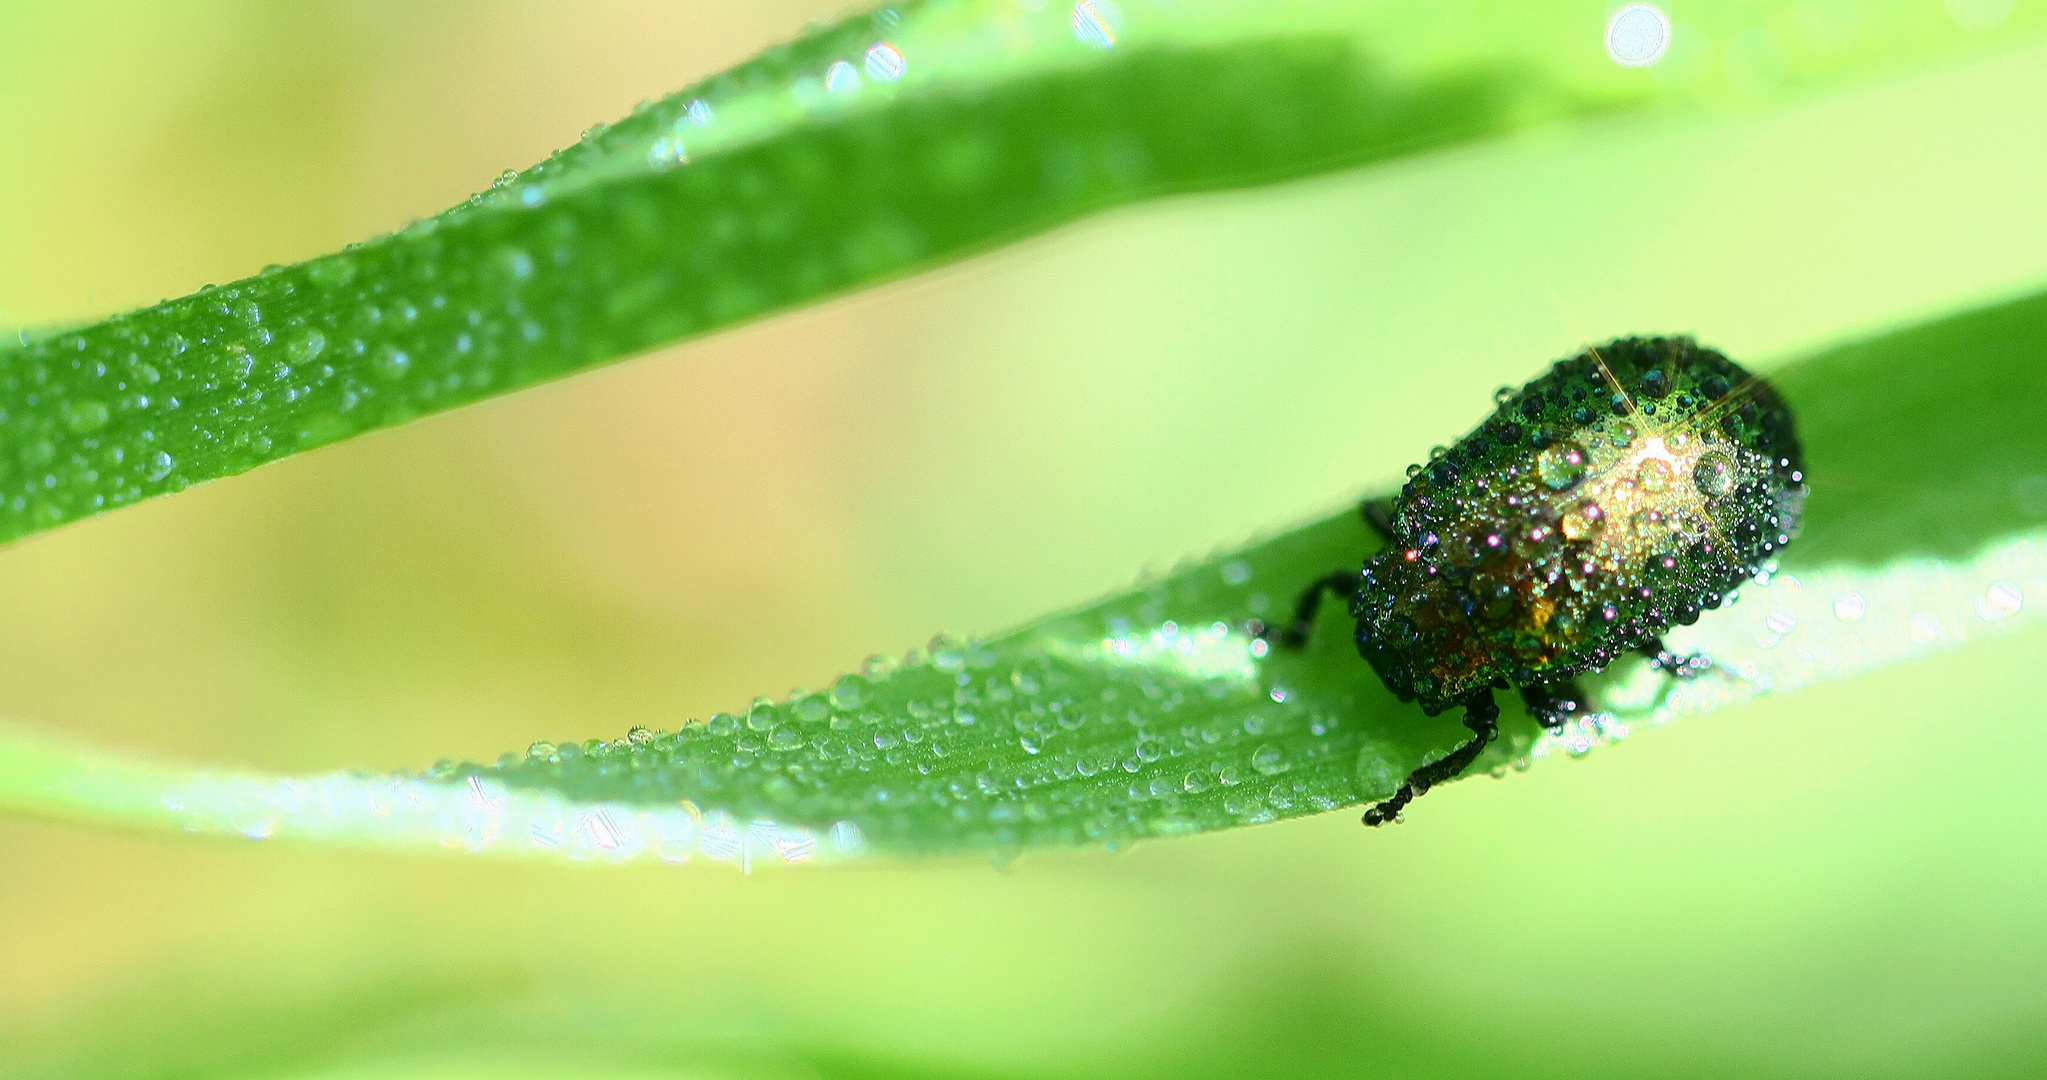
1621,493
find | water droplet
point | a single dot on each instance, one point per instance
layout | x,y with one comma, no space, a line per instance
786,739
879,666
842,78
248,312
2000,601
1849,607
762,715
1269,761
541,750
306,346
518,264
1229,776
1150,749
1194,783
1031,744
85,417
331,272
849,692
948,653
1561,465
885,62
392,362
1781,621
160,466
811,709
723,723
1094,23
1653,476
1584,520
1714,475
638,735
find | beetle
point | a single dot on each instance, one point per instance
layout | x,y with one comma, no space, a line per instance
1620,493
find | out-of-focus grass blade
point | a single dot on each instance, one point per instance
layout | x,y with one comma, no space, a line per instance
867,150
1154,712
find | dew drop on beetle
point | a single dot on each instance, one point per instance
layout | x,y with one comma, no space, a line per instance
1621,493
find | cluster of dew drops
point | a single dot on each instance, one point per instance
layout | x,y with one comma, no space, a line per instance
238,374
78,446
965,742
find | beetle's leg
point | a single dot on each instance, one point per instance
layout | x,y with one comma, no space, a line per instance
1295,636
1553,704
1377,518
1675,665
1482,716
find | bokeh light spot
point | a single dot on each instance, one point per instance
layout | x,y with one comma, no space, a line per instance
1094,22
1637,35
885,62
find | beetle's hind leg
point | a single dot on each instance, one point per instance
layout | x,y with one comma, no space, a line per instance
1482,716
1343,583
1554,704
1675,665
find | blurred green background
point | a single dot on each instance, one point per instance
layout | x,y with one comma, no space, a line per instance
1846,881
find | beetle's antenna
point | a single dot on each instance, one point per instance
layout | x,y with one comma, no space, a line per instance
1611,380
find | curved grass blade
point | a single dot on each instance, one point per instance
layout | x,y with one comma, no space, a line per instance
867,150
1153,713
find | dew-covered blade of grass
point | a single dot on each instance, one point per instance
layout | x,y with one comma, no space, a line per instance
1154,712
865,151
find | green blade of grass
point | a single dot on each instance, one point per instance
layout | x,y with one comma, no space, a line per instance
867,150
1154,712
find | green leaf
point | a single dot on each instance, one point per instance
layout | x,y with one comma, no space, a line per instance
1154,713
867,150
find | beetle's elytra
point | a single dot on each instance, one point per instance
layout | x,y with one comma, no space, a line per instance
1622,492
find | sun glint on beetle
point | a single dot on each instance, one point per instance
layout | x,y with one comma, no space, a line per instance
1622,492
